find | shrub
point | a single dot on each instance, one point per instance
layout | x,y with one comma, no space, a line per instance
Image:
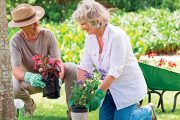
157,28
153,30
134,5
59,10
53,11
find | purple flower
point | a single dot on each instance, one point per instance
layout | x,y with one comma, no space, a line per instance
79,82
103,73
89,75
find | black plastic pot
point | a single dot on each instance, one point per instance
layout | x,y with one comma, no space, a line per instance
52,88
77,109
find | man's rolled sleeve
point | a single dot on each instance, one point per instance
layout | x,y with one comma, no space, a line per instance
54,51
16,57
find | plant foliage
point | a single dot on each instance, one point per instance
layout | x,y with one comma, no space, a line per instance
82,93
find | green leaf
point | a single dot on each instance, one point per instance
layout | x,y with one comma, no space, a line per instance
71,102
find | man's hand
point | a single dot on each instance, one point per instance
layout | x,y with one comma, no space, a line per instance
96,101
34,79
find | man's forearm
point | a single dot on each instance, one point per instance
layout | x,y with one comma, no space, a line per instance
18,73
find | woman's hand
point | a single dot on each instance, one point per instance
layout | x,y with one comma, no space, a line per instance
96,101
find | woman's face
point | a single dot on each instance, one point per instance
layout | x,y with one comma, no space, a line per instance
85,26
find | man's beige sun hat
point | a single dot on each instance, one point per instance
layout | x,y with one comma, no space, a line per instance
25,14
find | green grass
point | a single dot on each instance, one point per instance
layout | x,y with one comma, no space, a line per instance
56,109
168,98
49,109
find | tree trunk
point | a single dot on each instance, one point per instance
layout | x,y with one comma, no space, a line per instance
7,109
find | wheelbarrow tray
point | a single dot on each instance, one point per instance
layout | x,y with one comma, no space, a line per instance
160,79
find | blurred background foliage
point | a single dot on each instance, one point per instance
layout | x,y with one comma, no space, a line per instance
55,10
133,5
152,25
59,10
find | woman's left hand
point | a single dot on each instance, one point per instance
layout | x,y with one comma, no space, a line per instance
95,103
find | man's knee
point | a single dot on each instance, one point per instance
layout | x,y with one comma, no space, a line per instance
70,71
21,93
70,66
23,90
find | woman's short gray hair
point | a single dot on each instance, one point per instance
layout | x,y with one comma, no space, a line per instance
91,12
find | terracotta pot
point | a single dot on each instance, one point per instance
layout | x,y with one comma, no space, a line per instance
79,113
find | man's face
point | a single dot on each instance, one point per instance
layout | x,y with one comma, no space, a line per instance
32,28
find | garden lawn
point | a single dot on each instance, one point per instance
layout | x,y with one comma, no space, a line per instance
56,109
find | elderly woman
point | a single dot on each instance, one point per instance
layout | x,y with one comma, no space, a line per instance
108,48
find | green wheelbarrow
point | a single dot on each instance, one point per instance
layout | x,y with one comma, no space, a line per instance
161,79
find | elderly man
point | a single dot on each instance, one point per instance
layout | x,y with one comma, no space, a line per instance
29,41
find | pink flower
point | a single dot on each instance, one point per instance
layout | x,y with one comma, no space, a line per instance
46,65
37,61
50,61
57,63
35,67
37,57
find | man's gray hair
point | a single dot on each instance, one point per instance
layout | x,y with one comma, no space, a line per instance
90,11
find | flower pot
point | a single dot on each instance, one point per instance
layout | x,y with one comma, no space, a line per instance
79,113
52,88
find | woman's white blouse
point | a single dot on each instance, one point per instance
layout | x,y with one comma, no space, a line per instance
118,60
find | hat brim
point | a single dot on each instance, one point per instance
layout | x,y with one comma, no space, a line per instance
39,14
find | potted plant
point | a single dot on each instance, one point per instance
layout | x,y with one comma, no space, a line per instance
49,70
82,93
